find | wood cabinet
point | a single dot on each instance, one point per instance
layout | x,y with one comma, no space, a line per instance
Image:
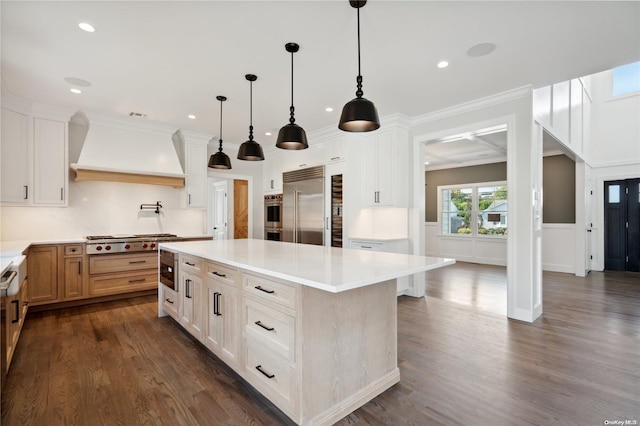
122,273
50,162
221,333
14,312
44,274
75,272
170,302
14,157
294,343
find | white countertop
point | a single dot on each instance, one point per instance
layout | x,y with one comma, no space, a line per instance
326,268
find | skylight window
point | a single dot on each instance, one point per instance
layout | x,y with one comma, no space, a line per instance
626,79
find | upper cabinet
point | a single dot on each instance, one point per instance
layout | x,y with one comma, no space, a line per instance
16,188
50,162
34,159
378,159
192,152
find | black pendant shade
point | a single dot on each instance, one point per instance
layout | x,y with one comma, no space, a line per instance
292,136
220,160
359,114
250,150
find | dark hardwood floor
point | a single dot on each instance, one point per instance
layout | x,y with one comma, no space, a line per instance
461,361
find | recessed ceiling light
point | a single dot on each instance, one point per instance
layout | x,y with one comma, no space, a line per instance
267,133
328,109
443,64
426,163
482,49
76,91
191,116
86,27
77,81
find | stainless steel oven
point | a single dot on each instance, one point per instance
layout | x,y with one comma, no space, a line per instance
169,269
273,234
273,211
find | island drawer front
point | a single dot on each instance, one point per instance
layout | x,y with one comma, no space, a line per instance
190,263
170,302
73,249
221,273
272,376
272,328
274,291
102,285
102,264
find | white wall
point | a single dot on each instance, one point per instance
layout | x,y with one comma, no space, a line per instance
615,128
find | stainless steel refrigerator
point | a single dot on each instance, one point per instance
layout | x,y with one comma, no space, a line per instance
303,206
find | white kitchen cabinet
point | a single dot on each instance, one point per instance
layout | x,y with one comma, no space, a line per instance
50,162
15,159
380,168
196,171
273,167
190,310
221,333
335,149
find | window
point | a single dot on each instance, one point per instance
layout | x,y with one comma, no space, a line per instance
474,209
626,79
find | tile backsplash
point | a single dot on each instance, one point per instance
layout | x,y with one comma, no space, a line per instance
101,208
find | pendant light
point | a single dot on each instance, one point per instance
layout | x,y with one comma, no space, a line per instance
292,136
220,160
359,114
250,150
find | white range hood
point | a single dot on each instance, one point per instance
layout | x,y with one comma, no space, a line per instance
123,152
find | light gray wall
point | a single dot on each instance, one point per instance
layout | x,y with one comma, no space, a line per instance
559,189
558,182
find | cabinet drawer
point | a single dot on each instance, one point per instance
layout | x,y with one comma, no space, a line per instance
270,327
170,302
366,245
190,263
272,376
220,273
274,291
123,282
73,250
122,262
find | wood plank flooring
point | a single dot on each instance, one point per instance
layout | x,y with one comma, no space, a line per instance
461,361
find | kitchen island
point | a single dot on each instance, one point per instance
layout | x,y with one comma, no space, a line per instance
313,328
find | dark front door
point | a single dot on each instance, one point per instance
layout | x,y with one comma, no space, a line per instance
622,225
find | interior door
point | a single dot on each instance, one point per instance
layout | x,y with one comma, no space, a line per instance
220,210
240,209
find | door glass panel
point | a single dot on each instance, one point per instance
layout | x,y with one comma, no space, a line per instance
614,194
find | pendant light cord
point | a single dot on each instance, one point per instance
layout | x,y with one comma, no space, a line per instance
359,92
251,111
220,141
292,119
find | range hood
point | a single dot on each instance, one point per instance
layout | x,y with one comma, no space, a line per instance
123,152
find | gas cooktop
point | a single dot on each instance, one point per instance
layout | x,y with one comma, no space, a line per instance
125,243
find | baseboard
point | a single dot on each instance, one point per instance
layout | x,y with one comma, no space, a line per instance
357,400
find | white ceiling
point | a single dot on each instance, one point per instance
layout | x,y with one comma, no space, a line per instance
168,59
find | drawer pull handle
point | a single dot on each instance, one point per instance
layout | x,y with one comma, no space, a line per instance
190,264
219,275
137,261
262,289
258,323
139,280
269,376
216,304
169,301
17,311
